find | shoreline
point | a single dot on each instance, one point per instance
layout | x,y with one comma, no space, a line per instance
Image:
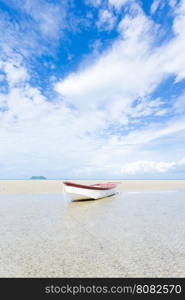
29,186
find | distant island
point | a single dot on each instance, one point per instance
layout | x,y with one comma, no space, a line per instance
38,177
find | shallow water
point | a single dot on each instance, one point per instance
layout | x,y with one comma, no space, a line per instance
132,234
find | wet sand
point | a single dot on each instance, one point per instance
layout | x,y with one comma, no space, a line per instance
56,187
139,232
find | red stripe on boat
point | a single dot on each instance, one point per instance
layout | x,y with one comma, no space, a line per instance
98,186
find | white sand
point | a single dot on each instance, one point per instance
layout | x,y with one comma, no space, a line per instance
56,186
138,233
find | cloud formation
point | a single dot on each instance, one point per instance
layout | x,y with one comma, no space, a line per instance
106,118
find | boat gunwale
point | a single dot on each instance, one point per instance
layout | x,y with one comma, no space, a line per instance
89,187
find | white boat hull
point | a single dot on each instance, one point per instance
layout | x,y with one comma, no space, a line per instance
76,193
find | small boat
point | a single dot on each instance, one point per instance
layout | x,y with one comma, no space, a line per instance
78,191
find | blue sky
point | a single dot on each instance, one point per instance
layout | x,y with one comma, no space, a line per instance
92,89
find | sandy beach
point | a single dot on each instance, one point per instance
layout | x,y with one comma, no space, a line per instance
140,232
56,187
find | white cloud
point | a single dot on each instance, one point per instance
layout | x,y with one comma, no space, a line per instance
106,20
37,31
181,162
173,3
179,104
147,167
49,17
155,6
14,72
117,3
122,74
100,125
129,68
151,167
95,3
